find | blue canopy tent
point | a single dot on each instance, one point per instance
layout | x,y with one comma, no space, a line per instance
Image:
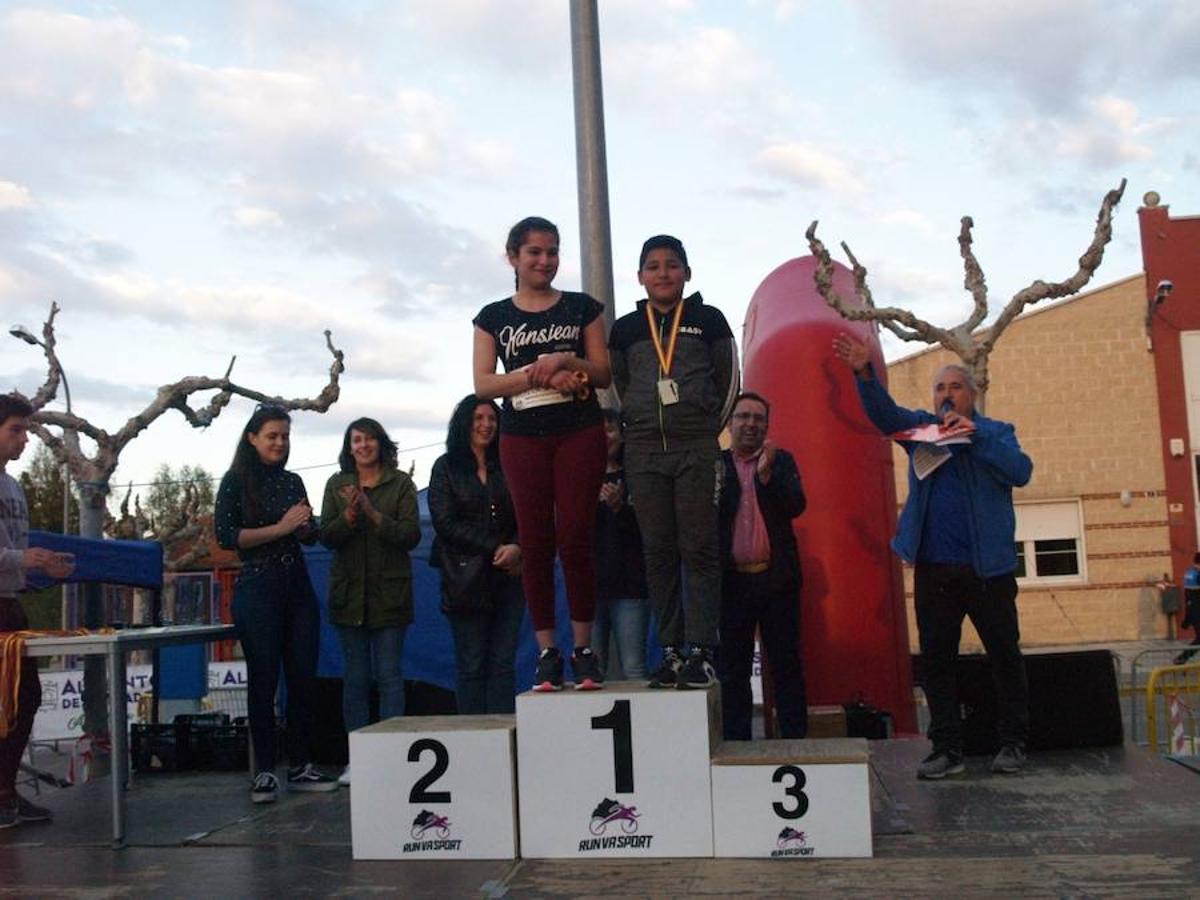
428,645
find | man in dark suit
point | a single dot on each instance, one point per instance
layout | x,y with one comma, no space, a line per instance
760,495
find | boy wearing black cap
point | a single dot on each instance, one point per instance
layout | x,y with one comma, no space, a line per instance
674,363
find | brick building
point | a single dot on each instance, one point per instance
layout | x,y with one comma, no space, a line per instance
1095,386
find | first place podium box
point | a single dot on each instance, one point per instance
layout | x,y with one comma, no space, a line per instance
434,787
801,798
621,772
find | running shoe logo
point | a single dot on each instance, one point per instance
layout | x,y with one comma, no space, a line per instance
427,821
791,837
612,811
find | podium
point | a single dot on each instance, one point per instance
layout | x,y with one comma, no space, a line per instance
800,798
434,787
623,772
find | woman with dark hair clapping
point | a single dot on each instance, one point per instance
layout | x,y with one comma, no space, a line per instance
369,519
262,511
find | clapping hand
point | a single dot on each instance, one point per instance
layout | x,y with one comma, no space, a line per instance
296,517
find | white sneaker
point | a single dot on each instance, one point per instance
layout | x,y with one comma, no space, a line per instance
265,789
344,778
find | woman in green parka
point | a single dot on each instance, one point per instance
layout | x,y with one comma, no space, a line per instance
369,519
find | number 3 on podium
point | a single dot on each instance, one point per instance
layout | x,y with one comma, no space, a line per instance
618,720
795,791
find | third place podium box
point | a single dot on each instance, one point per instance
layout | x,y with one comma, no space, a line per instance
434,787
802,798
622,772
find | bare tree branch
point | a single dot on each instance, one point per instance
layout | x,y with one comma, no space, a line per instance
100,466
973,279
971,347
47,391
1088,264
917,329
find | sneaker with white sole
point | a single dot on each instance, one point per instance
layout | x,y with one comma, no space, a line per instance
265,788
697,671
344,778
1010,760
939,764
306,779
548,674
667,673
586,667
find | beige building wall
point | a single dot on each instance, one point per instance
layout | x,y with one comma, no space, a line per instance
1077,382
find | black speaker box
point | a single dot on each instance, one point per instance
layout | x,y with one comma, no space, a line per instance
1073,701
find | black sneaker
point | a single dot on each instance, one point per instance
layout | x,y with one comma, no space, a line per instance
697,671
586,667
548,676
10,813
306,779
939,764
265,789
667,674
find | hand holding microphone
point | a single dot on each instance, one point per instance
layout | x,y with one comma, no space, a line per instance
952,422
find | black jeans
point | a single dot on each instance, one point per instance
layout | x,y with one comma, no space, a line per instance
12,618
944,595
277,620
746,603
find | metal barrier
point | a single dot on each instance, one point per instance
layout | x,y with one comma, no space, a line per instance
1135,689
1171,694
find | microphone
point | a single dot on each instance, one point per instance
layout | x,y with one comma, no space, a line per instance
946,407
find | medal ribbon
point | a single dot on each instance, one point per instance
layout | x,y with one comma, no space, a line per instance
665,359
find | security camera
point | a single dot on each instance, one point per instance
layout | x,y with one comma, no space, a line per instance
1165,287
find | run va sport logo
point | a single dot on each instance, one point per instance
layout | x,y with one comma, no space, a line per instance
792,843
615,826
431,832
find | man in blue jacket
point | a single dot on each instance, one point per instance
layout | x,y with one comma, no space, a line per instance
957,529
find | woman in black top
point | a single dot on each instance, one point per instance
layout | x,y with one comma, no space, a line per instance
475,530
262,511
552,446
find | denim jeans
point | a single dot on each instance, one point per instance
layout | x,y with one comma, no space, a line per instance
944,594
277,620
371,654
627,622
485,651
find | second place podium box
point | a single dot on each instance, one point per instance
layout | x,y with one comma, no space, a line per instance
435,787
622,772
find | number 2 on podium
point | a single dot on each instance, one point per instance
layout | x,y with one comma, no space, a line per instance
618,720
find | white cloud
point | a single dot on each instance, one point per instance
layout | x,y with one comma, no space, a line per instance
256,217
810,167
907,218
14,196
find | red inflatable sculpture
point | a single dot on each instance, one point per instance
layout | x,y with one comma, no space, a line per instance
853,623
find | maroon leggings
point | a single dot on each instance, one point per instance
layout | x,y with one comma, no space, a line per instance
554,481
12,618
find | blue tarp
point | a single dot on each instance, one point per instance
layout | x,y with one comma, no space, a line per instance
136,563
428,644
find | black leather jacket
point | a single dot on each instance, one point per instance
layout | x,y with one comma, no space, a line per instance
468,516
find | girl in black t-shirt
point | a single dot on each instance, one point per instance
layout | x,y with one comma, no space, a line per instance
552,445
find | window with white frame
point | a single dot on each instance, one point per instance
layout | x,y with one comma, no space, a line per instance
1049,541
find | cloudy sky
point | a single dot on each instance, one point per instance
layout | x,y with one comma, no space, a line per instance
194,181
